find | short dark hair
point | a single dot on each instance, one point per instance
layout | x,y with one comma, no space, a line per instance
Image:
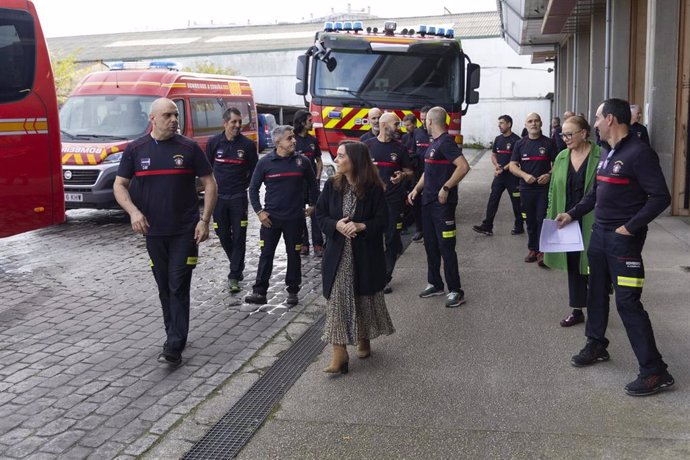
507,118
229,111
425,109
300,120
619,108
410,117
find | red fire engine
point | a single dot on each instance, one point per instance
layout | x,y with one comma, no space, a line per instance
349,70
30,180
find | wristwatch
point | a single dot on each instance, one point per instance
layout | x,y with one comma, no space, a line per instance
446,189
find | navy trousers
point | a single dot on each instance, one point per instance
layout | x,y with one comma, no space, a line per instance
393,240
172,260
617,259
230,223
439,243
503,182
290,229
534,204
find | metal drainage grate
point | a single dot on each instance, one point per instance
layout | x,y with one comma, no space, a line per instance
229,435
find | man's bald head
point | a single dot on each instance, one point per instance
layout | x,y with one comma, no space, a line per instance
533,125
436,121
164,119
388,125
373,116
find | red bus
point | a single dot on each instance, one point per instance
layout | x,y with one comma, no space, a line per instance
31,189
349,70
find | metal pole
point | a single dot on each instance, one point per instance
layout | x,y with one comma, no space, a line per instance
607,51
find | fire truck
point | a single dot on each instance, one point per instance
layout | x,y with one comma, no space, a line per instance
109,109
349,70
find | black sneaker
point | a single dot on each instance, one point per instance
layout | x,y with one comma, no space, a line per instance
292,298
418,236
255,297
482,230
388,289
592,353
517,231
645,386
169,357
431,291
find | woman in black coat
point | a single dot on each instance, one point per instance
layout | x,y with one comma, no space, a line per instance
352,213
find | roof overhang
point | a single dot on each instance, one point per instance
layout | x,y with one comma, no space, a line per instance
523,22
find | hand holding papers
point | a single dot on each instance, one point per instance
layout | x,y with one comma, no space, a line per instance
566,239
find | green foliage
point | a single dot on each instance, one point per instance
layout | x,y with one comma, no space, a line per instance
66,73
210,67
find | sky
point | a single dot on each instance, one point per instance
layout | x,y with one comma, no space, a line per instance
61,18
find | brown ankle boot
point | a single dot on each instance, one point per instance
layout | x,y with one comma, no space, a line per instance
339,360
363,348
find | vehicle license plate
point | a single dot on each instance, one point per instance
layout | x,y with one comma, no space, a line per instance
74,197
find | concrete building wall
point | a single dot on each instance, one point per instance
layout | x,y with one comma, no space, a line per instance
661,79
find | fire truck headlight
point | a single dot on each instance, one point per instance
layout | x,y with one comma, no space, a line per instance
114,158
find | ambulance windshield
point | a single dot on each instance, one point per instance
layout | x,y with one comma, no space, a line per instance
389,77
105,116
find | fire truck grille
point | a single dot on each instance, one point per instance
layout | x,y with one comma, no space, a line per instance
80,176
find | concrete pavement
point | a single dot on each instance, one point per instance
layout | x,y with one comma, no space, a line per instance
492,379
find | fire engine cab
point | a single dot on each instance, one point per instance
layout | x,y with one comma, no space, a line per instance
350,69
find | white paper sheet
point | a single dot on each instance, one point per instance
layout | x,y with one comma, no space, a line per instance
566,239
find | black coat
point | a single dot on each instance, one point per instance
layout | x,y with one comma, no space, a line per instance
367,246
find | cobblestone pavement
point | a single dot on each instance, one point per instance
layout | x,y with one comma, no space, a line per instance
80,330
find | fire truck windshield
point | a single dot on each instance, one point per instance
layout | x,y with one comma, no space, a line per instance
88,117
390,77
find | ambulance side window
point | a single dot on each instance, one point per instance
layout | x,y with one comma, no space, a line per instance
182,120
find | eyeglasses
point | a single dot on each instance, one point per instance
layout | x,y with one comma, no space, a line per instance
568,136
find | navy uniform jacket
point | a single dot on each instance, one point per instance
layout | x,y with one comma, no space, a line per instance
165,174
389,157
640,131
233,163
366,136
309,147
503,148
534,157
629,190
438,167
367,246
422,140
284,178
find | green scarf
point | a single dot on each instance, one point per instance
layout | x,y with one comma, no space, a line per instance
557,187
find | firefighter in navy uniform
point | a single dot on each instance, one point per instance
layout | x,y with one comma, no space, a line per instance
503,180
284,174
167,212
531,161
629,192
308,146
393,163
444,168
234,158
637,128
373,118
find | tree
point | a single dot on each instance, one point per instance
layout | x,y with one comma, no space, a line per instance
210,67
66,73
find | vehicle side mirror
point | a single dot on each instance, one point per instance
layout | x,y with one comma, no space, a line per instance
302,74
472,76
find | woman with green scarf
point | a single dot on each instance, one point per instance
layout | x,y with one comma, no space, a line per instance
572,177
